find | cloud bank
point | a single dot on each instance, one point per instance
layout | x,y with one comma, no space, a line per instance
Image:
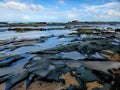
14,10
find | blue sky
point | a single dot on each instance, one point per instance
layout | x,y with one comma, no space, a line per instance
59,10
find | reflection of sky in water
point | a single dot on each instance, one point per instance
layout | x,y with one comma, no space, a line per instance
31,34
50,43
97,55
17,67
115,42
4,28
22,50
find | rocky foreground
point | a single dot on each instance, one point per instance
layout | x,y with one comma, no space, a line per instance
86,58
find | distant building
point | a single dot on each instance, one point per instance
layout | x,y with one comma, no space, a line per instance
75,21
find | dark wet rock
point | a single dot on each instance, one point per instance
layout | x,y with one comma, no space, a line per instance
4,78
25,29
67,27
115,83
59,57
42,62
109,35
81,31
106,86
16,79
70,47
74,64
61,36
30,79
5,42
3,75
90,48
33,29
117,30
87,75
54,75
94,59
117,36
88,31
36,67
81,59
72,87
8,61
86,49
46,52
97,88
66,70
27,24
103,76
100,65
43,65
72,55
111,55
58,62
41,72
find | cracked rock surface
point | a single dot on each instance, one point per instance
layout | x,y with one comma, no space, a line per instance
67,57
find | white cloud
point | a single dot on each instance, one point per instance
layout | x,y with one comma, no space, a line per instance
111,5
26,17
108,11
74,9
21,6
61,2
32,12
73,14
37,7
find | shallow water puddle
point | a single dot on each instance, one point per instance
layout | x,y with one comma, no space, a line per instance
32,34
97,55
22,50
52,42
16,67
115,42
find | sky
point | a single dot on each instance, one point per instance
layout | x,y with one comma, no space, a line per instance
59,10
